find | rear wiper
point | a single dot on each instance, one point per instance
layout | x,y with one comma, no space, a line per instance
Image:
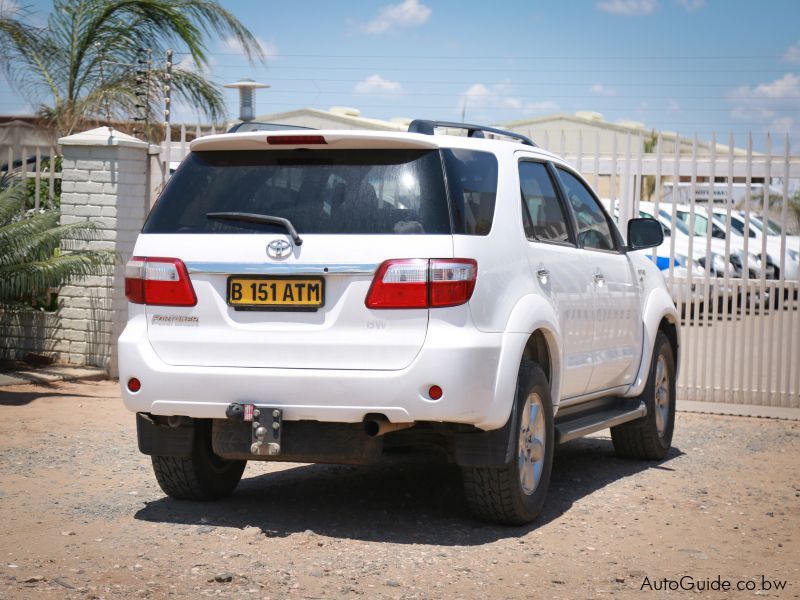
254,218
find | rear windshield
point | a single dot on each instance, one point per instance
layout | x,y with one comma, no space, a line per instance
330,191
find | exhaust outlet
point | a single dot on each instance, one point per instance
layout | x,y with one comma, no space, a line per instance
378,426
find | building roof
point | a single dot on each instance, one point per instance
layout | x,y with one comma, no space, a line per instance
595,120
347,118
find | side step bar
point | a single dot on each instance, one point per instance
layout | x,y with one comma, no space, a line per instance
574,427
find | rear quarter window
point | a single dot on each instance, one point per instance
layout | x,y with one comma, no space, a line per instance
472,183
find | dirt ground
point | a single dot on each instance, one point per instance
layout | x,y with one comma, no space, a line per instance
81,516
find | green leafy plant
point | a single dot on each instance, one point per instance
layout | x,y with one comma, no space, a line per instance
87,54
38,255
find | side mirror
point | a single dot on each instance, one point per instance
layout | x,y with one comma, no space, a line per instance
644,233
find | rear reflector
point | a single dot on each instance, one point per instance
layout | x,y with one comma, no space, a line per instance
422,283
158,281
295,140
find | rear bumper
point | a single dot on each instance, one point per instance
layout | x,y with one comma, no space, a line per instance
463,361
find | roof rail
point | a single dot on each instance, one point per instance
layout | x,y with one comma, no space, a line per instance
427,127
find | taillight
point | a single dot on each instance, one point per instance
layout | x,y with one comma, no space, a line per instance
158,281
422,283
400,284
452,281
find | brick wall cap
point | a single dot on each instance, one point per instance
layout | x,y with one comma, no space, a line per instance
103,136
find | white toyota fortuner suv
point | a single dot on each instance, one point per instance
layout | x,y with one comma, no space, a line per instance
331,296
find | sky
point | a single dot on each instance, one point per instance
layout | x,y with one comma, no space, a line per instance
691,66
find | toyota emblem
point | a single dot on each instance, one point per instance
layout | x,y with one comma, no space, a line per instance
279,249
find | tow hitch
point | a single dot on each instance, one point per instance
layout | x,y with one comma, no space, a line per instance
266,429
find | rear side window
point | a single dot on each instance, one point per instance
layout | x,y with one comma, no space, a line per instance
472,183
330,192
548,223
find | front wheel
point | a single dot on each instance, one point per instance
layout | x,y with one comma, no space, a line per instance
650,437
201,476
514,494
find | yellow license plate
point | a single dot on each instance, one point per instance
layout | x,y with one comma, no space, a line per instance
276,292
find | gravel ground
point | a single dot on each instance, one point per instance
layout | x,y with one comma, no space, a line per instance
82,517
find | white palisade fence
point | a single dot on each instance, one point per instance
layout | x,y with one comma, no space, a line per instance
741,331
37,165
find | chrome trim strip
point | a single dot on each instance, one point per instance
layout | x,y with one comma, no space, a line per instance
230,268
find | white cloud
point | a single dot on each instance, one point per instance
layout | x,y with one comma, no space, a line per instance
377,84
499,96
628,8
598,89
792,54
692,5
409,13
758,102
787,86
547,106
782,125
231,44
187,63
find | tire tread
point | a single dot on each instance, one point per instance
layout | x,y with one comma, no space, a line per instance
177,477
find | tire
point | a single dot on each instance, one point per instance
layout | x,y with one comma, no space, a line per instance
500,494
203,475
650,437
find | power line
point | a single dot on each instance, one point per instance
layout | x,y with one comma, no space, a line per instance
512,57
502,69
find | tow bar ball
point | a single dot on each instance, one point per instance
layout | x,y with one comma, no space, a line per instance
265,436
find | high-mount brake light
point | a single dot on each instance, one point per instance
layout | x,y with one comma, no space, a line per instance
295,140
158,281
422,283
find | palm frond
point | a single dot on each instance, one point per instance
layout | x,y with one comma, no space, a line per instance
12,201
58,67
24,244
19,282
37,254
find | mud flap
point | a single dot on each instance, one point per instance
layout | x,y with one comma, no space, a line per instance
493,448
163,440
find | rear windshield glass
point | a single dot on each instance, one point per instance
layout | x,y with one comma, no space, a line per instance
331,191
472,183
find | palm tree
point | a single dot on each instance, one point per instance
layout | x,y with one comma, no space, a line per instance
37,254
58,67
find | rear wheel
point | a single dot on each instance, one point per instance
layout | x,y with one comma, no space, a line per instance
203,475
514,493
650,437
